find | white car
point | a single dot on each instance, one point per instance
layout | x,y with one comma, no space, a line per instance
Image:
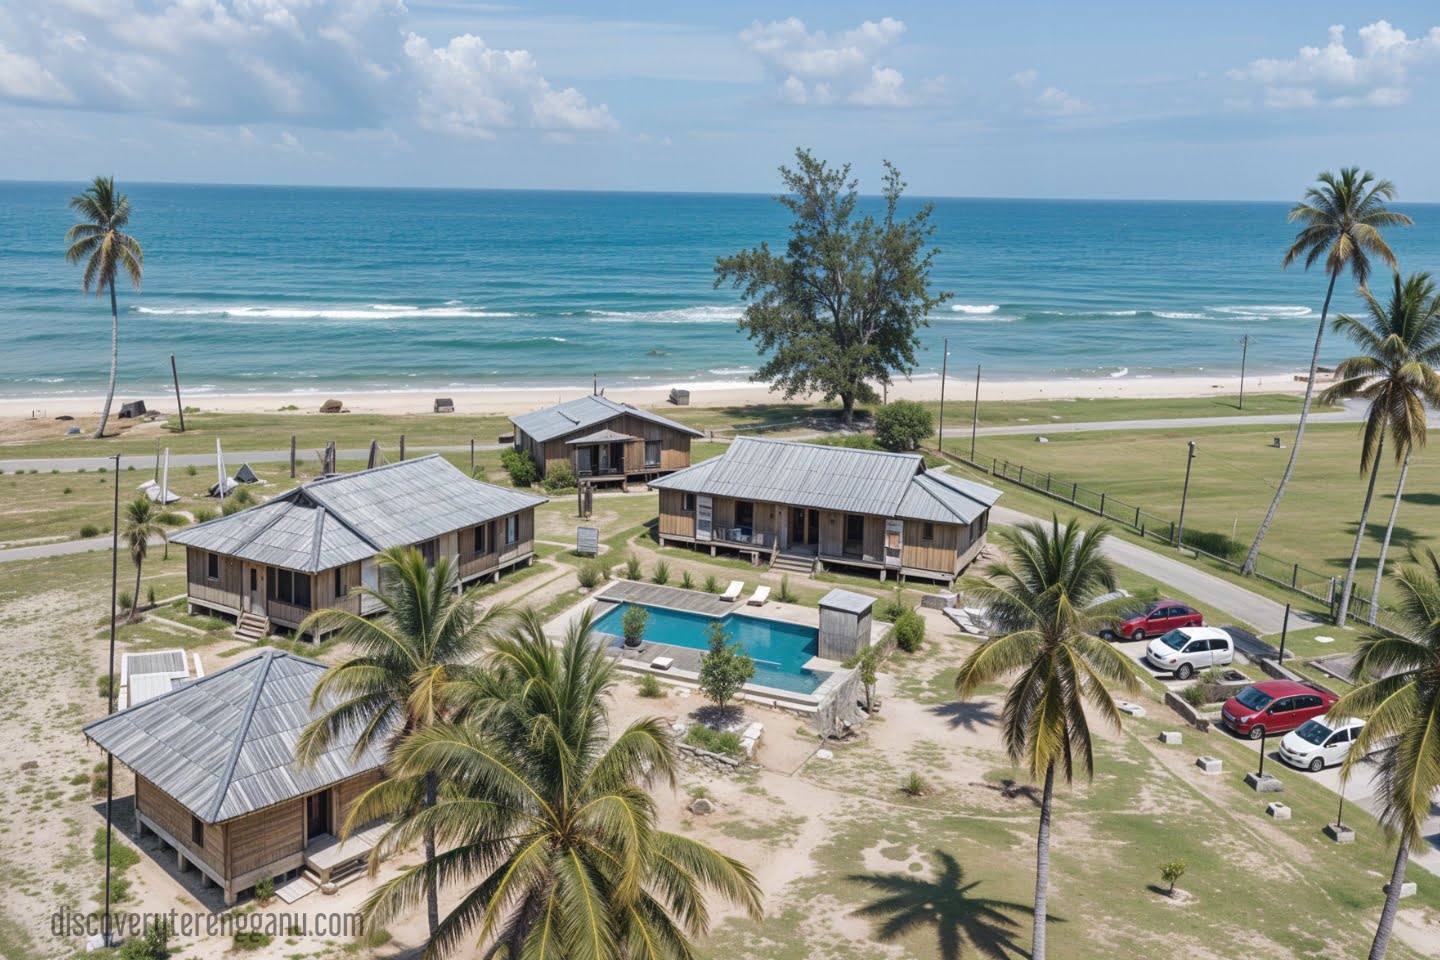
1185,650
1319,743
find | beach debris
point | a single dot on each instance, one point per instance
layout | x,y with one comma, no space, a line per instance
1042,439
73,432
1277,443
332,406
701,806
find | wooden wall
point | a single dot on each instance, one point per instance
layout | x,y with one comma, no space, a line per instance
348,791
941,554
266,836
175,820
496,553
226,592
674,445
675,521
832,536
322,592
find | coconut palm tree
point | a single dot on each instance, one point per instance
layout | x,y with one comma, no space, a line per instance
1395,374
1341,219
99,239
1040,600
404,660
1400,702
546,821
142,524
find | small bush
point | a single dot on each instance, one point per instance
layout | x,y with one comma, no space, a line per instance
520,465
914,786
203,514
150,595
851,441
633,570
687,581
89,530
153,944
1215,544
711,585
649,687
727,743
243,496
662,572
250,940
125,599
171,519
558,477
231,505
591,574
191,471
786,594
1170,873
1196,695
890,609
67,491
909,631
902,425
265,889
103,684
634,620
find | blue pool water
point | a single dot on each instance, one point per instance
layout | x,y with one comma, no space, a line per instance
780,650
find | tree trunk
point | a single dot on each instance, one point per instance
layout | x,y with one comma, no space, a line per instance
135,600
432,895
1254,554
1392,901
1042,866
1359,536
114,362
1385,544
847,409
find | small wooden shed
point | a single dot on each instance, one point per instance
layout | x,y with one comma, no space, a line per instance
444,405
844,624
133,410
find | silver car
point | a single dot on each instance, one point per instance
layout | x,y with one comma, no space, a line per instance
1185,650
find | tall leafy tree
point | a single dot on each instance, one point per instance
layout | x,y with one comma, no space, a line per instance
100,240
405,660
1400,701
546,820
142,525
1395,375
1040,599
1341,218
838,311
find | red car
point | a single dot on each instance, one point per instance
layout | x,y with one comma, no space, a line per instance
1161,617
1275,706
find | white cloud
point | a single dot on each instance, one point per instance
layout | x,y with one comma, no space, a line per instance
23,78
1376,74
823,69
1050,99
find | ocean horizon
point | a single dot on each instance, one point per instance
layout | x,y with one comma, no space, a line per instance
260,289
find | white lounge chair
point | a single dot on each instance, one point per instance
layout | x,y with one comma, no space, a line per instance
758,598
732,592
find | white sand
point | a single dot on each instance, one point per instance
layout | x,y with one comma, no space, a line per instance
520,401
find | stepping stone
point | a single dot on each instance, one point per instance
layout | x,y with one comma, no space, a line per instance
1209,764
1278,810
1133,709
1263,784
1324,639
1169,737
662,663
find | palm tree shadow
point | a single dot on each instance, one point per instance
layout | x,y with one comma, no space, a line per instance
909,902
969,714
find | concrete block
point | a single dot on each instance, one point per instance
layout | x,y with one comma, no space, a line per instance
1407,889
1133,709
1278,810
1209,764
1263,783
824,755
1170,737
937,601
662,663
1340,833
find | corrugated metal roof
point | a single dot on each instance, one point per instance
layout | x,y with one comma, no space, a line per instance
224,745
838,599
350,517
823,477
601,436
584,412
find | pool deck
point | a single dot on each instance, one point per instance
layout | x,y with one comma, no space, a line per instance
685,666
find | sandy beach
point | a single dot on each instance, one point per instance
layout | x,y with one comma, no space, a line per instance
481,402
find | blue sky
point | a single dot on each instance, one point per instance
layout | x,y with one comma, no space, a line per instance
1215,100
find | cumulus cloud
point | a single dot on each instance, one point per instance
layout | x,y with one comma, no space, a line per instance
1375,74
823,69
1048,99
317,63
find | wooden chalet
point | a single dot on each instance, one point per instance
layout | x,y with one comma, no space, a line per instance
307,549
806,507
604,441
215,777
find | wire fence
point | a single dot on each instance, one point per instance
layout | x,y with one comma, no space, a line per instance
1217,548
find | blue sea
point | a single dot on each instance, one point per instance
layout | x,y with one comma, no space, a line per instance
262,289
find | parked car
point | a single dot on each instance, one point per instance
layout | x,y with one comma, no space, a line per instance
1319,743
1159,618
1274,706
1185,650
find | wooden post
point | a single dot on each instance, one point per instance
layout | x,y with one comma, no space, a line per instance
975,413
292,456
175,375
402,446
472,456
1294,576
944,367
1102,503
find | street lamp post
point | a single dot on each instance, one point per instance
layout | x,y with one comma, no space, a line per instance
1184,496
975,413
944,369
110,700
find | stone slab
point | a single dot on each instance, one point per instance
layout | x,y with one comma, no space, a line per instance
1211,765
1278,810
1263,784
1340,833
1170,737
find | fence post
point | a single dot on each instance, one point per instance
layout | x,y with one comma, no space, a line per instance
993,461
1048,478
1021,481
1142,530
1172,535
1074,492
1331,599
1294,576
1137,521
1102,503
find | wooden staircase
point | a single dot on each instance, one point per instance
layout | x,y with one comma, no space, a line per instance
251,627
793,562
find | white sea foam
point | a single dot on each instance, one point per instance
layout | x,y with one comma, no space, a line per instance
1178,315
1263,311
704,314
1122,372
975,308
732,371
375,311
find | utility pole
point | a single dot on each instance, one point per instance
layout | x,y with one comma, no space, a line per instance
1284,631
175,375
110,695
975,414
1244,351
1184,495
944,369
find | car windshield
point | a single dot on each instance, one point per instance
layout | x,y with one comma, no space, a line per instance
1254,698
1313,731
1175,639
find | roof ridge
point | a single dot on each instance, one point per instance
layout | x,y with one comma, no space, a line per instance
324,481
222,786
831,446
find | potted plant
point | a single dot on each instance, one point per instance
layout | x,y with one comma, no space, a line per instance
634,621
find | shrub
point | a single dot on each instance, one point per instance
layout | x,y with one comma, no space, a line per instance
520,465
125,600
153,944
1196,695
633,570
650,687
243,496
150,595
851,441
105,687
171,519
89,530
1171,873
902,425
633,621
725,667
231,505
265,889
909,631
716,741
914,786
191,471
662,572
711,584
67,491
890,608
866,663
786,594
559,477
1215,544
203,514
591,574
250,940
687,581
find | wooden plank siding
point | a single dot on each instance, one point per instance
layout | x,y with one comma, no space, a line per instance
674,446
163,812
223,593
675,520
266,837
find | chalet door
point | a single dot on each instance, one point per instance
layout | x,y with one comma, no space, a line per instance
703,516
604,457
317,815
255,591
894,534
617,457
584,461
804,527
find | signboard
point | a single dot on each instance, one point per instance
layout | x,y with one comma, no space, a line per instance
587,540
894,530
702,517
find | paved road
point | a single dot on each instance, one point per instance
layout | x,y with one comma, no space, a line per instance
1261,613
38,551
1349,415
146,461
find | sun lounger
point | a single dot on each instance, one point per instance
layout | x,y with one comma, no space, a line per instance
732,592
758,598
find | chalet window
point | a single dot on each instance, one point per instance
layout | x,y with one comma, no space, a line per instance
854,533
287,586
927,531
197,832
430,549
340,588
744,513
480,538
687,503
212,566
652,453
512,529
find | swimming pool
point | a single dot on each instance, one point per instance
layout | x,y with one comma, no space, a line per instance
780,650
